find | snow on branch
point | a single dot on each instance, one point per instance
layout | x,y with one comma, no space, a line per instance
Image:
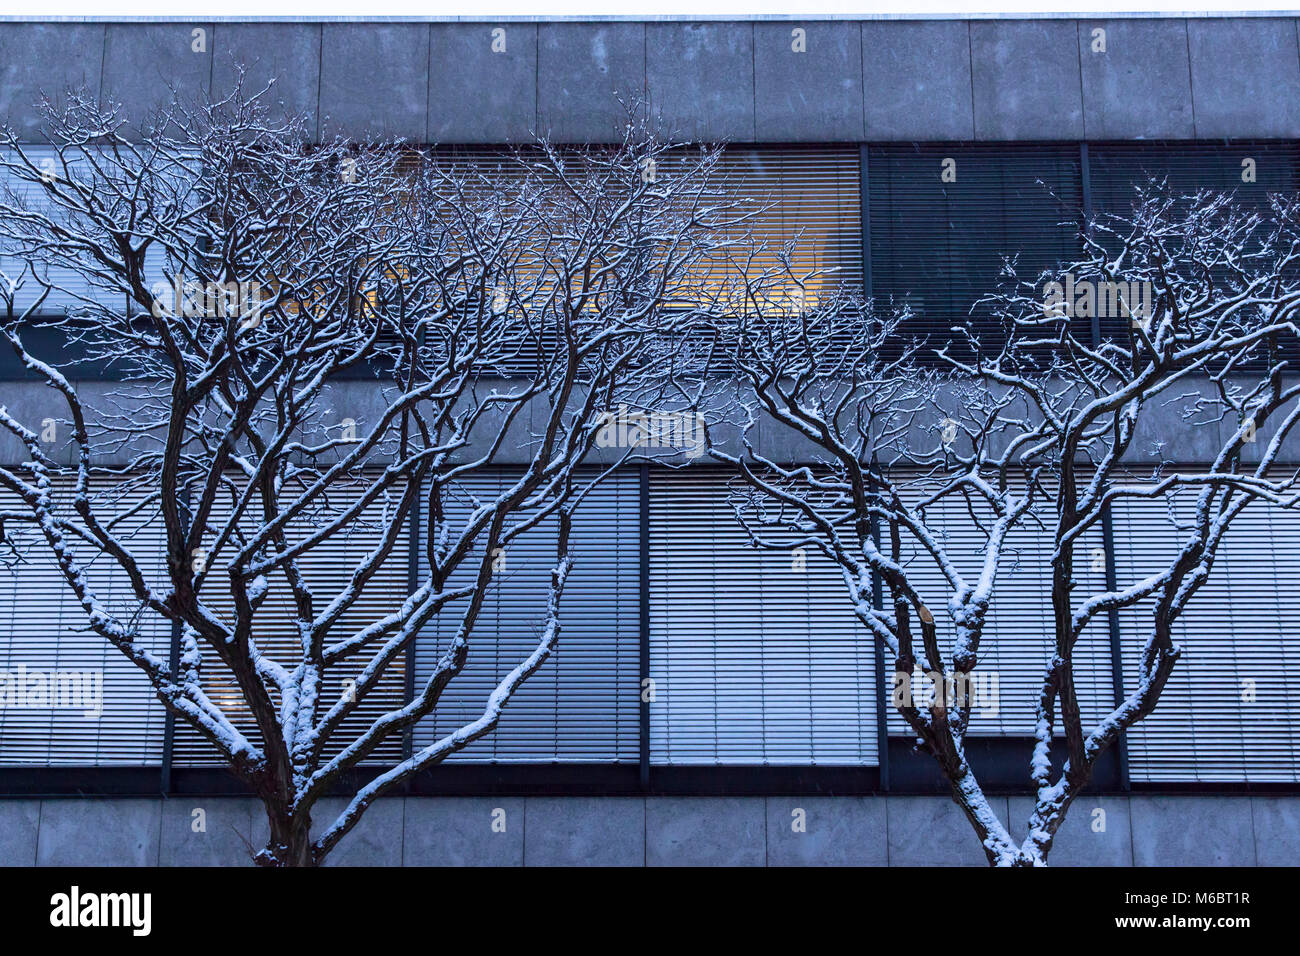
926,466
318,351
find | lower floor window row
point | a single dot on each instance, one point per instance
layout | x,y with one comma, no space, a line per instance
755,656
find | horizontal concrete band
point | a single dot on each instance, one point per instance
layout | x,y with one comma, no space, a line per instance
1181,830
1161,425
751,81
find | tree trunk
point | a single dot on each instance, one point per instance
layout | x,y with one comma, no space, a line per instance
289,843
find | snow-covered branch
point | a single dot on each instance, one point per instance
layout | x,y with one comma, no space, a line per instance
315,344
925,466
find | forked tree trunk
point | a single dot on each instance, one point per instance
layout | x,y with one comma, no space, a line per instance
289,842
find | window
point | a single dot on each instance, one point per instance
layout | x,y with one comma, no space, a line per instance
583,705
1251,172
1231,708
75,288
326,569
1018,640
1118,170
809,196
756,655
69,697
945,217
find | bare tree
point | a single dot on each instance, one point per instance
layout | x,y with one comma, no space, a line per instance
1028,427
240,280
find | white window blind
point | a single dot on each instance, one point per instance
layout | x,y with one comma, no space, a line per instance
74,287
807,194
754,661
583,704
326,568
1018,639
44,636
1238,638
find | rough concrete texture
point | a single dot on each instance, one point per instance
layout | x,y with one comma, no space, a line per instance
745,81
917,80
1146,830
808,82
40,60
464,831
827,831
1097,831
584,831
198,831
1159,424
705,831
1020,90
1194,831
1127,92
589,79
283,56
483,83
374,81
90,832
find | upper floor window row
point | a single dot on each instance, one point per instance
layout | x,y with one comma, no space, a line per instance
929,226
948,224
797,201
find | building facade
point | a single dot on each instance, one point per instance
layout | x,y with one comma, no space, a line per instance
770,702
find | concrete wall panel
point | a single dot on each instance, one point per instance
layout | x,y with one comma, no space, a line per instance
809,96
19,827
148,67
40,60
287,54
374,80
458,831
1078,843
700,79
1026,80
838,831
376,840
119,832
586,75
931,831
585,831
1245,77
1140,87
917,80
482,82
705,831
1276,825
225,837
1192,831
1161,425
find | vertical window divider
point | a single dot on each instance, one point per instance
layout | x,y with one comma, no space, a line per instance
1107,521
643,513
877,591
882,683
412,583
173,664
